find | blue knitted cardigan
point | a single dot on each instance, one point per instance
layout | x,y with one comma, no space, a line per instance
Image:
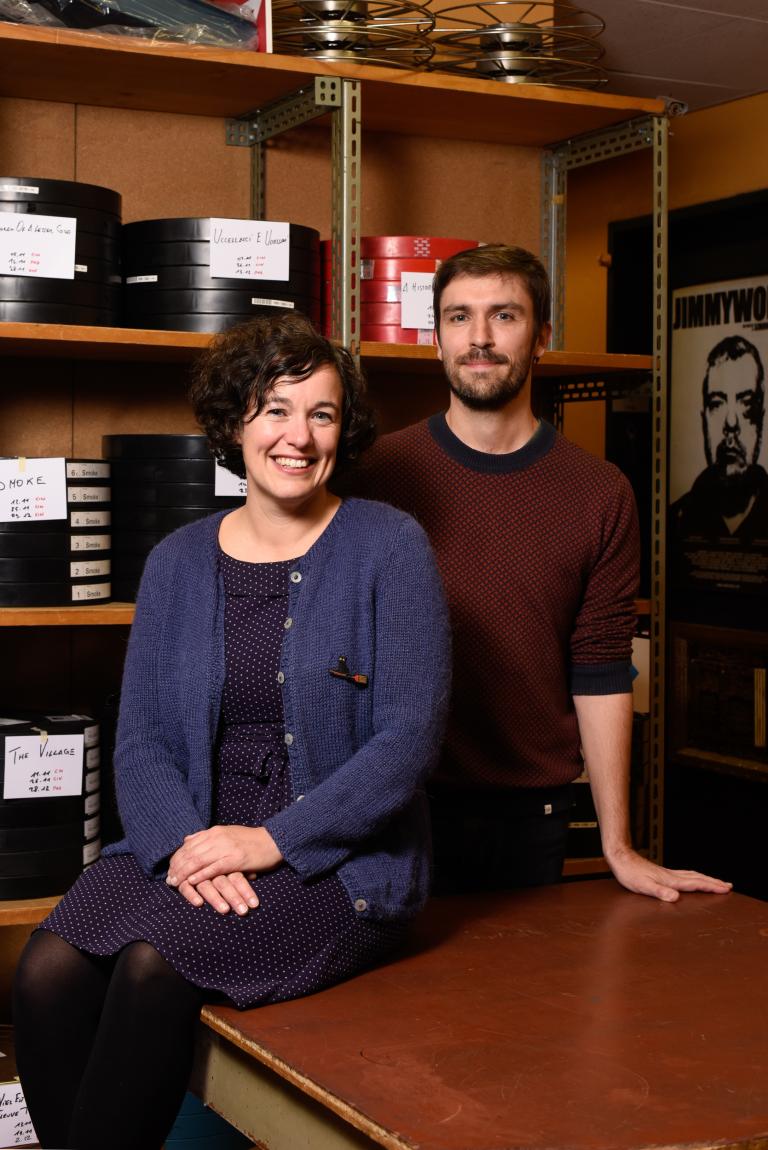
368,590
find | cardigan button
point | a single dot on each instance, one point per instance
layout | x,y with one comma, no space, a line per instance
360,905
288,739
295,576
288,623
280,677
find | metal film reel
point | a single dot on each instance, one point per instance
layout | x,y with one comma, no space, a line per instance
394,34
552,44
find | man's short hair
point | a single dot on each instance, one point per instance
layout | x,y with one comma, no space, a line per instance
497,260
731,348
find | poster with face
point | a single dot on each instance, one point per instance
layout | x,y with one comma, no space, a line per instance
718,481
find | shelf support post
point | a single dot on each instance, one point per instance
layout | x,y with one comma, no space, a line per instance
657,748
645,132
553,208
346,139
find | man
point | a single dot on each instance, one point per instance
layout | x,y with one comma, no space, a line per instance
537,543
729,499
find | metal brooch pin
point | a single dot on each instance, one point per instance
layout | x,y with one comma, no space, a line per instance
342,671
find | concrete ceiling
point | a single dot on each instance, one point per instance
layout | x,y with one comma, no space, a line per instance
702,53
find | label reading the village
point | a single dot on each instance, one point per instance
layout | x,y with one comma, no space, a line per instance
43,766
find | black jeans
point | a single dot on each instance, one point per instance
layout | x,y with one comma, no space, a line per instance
496,840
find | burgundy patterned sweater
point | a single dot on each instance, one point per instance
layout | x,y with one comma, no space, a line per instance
539,552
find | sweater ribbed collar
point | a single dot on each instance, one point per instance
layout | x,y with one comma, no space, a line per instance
536,448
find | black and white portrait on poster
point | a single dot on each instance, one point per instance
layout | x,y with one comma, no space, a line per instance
718,484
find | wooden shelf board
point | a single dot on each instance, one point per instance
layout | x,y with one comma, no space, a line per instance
553,365
105,614
26,911
88,68
68,341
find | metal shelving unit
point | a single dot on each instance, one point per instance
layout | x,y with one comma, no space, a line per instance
572,128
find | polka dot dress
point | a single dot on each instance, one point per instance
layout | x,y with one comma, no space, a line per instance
303,935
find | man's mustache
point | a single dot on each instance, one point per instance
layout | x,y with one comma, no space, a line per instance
482,356
729,449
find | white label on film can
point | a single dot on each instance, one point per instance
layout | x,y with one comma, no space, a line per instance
91,852
89,494
142,279
272,302
91,827
83,519
90,568
90,592
90,542
18,189
87,469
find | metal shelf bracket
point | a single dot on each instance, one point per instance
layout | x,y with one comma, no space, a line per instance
342,98
253,129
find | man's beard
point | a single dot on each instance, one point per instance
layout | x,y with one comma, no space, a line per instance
483,392
731,459
736,478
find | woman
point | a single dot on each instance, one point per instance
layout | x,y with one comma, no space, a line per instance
282,702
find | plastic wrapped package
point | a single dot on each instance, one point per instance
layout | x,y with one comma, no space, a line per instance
188,21
22,12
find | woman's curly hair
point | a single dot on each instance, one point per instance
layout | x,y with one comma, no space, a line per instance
241,366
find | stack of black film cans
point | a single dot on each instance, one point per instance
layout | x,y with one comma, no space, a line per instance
159,483
168,281
94,295
50,804
62,562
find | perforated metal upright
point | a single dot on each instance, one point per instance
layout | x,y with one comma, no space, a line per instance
340,97
647,132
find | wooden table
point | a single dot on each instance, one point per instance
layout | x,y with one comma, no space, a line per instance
574,1017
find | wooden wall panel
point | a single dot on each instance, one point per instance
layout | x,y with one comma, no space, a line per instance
129,399
298,179
163,164
450,188
412,186
36,407
37,138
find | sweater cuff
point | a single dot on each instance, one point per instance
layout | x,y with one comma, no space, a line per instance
602,678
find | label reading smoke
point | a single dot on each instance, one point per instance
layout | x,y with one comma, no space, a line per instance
32,489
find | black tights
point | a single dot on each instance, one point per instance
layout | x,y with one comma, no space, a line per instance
103,1045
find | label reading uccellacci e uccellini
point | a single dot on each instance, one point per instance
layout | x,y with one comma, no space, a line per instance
250,249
